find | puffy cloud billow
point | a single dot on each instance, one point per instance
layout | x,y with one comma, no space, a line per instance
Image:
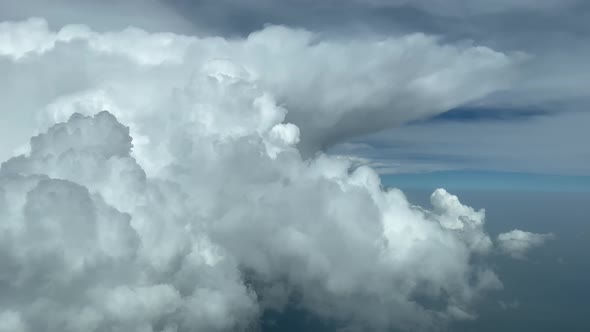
190,206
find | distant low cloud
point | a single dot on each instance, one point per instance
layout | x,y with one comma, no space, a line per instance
509,305
517,243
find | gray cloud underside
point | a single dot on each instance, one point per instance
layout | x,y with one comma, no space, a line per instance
547,144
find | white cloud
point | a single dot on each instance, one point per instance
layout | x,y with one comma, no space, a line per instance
203,211
11,321
334,89
91,243
453,215
517,243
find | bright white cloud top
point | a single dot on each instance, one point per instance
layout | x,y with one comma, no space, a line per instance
189,206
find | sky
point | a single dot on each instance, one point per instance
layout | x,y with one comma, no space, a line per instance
177,166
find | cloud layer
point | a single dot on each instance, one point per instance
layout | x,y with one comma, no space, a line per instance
189,205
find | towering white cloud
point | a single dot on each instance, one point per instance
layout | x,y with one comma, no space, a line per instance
188,205
91,244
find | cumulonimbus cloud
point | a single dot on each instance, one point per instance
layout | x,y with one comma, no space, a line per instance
188,206
334,89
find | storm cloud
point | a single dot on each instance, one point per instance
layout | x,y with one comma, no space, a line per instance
176,182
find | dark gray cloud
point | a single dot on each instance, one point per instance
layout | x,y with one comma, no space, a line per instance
500,24
152,15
